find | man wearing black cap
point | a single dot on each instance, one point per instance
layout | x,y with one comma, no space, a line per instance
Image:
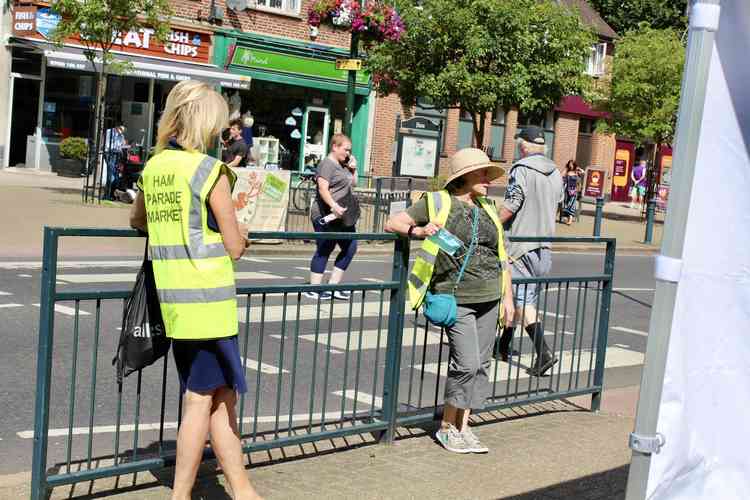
535,188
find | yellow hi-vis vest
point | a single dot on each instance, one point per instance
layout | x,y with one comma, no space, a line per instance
438,208
193,272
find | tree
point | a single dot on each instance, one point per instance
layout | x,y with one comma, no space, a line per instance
645,91
99,25
478,54
659,14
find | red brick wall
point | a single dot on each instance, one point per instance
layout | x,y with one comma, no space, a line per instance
566,139
603,155
511,125
384,135
257,21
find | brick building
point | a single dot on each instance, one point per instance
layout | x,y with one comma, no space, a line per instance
273,68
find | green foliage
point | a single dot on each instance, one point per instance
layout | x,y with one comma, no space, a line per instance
625,16
74,148
478,54
99,23
645,90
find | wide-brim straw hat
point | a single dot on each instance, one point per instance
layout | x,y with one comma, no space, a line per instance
468,160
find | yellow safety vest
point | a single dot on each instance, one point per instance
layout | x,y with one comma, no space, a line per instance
193,272
438,208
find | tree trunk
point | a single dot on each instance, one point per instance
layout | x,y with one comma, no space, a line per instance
478,122
99,163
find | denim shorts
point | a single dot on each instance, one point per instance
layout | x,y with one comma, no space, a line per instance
534,264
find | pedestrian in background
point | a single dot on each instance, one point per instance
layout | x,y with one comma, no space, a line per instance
571,178
334,209
114,143
639,179
195,278
535,188
484,295
235,154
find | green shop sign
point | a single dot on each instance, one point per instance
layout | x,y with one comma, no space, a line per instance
294,65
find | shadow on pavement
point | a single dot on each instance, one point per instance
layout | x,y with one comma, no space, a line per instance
607,485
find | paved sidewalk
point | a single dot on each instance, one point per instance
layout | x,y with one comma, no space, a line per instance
31,200
547,451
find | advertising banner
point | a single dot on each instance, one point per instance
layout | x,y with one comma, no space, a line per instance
594,185
261,198
620,173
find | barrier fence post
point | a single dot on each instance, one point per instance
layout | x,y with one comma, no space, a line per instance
395,333
650,214
376,217
598,214
603,327
44,366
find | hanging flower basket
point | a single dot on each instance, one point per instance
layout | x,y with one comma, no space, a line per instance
372,20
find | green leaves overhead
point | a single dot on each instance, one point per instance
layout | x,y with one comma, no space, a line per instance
478,54
645,92
623,16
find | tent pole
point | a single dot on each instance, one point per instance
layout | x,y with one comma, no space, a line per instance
694,81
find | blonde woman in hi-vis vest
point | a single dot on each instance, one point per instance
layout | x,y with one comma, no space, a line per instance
185,205
482,292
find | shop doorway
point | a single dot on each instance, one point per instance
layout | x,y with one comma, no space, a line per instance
621,181
315,127
22,146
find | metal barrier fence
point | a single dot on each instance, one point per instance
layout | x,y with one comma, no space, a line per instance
317,368
377,199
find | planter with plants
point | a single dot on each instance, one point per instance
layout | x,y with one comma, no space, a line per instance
73,155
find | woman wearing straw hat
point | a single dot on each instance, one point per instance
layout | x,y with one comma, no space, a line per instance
476,274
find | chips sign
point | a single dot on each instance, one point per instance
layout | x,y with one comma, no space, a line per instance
349,64
594,185
24,20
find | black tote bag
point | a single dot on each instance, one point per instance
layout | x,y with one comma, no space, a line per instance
143,339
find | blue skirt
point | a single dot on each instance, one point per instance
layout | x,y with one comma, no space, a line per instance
206,365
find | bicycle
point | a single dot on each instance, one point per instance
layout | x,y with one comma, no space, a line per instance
304,190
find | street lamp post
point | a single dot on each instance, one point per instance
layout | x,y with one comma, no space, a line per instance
351,82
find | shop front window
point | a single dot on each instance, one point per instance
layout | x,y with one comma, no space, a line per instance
68,104
276,114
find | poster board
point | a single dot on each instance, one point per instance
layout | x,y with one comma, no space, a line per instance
261,198
417,147
418,156
621,171
593,186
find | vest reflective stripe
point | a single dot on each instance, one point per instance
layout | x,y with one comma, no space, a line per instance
422,254
174,252
438,208
188,295
194,275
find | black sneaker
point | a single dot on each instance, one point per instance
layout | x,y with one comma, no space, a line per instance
342,294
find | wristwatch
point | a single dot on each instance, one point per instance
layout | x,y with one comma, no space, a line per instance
411,231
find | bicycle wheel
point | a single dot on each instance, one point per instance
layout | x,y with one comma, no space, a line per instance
303,194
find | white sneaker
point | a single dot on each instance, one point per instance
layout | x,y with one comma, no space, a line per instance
315,295
452,440
473,442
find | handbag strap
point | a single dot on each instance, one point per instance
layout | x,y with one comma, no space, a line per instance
472,246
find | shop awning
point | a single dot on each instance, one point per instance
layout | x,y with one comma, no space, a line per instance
74,59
